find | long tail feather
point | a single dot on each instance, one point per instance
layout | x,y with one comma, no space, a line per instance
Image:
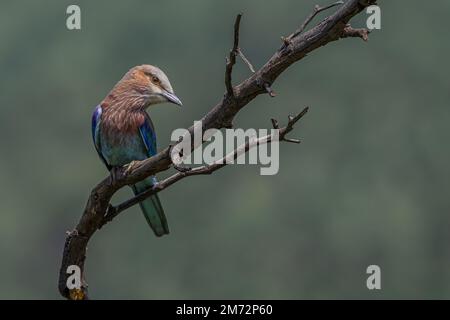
152,208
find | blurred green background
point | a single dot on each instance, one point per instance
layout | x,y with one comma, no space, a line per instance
369,184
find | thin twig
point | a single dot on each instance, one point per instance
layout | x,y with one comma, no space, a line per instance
316,11
362,33
247,62
231,60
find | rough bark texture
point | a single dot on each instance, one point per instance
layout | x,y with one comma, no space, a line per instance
98,210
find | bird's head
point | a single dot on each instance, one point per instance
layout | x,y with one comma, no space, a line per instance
150,84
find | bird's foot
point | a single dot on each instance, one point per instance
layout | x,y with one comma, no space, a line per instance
129,167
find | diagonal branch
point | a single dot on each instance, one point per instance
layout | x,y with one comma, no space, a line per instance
220,116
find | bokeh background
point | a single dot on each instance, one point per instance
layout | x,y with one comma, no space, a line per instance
369,184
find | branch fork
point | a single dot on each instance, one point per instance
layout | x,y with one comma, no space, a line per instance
317,9
231,59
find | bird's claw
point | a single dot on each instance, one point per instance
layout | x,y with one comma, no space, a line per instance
129,167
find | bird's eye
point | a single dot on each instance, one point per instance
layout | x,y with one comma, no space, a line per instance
155,79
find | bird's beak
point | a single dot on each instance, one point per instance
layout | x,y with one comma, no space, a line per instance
172,98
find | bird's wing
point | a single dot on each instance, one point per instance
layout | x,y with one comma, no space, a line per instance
148,135
96,118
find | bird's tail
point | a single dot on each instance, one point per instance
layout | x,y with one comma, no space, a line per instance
152,208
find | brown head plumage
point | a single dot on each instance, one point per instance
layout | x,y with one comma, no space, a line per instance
124,107
141,87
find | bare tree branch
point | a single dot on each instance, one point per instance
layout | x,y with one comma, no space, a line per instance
98,207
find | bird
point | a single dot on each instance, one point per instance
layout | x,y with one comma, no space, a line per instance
123,131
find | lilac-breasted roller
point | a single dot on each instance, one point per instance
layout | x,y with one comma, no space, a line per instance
123,131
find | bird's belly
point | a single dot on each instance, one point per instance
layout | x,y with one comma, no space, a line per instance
119,152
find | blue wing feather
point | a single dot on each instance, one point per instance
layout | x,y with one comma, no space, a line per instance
148,136
96,117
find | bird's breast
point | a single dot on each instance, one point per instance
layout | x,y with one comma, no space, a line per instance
121,141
